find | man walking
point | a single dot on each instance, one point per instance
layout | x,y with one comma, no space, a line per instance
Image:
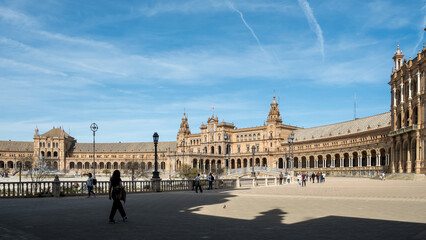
198,184
281,178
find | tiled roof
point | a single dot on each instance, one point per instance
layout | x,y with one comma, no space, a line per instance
124,147
56,132
344,128
14,146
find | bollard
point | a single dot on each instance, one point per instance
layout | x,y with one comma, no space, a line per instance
266,181
275,181
56,188
238,183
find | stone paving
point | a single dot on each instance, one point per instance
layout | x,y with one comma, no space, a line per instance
341,208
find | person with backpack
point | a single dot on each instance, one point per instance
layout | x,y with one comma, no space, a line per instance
116,193
90,185
211,179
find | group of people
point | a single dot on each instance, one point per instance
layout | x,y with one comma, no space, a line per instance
197,182
302,178
4,174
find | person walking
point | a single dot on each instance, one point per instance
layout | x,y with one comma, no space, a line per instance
299,180
115,191
313,177
89,183
211,179
281,178
198,184
304,180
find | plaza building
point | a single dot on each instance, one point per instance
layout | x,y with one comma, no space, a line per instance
392,142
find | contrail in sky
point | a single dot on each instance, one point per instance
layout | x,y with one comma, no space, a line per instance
248,26
313,24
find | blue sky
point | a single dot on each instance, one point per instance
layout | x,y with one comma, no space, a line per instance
134,66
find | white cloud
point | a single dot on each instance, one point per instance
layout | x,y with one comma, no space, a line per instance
313,24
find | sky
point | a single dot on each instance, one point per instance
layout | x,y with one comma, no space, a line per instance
134,67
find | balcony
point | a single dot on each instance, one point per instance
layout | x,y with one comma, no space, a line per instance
403,130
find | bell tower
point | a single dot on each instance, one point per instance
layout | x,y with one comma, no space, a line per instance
398,57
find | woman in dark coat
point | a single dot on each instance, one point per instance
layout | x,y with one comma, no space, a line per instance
114,191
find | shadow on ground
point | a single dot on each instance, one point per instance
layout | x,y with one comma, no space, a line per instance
171,216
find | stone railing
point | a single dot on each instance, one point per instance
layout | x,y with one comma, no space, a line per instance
58,188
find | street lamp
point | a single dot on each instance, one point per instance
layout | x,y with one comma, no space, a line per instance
253,149
227,159
94,128
290,143
155,174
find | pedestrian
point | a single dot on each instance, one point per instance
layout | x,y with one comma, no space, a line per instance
318,176
323,177
313,177
281,178
89,183
211,179
198,184
299,180
288,178
303,180
115,191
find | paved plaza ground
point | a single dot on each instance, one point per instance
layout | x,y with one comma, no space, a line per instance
341,208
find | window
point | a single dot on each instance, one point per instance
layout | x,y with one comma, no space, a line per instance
238,148
48,145
250,137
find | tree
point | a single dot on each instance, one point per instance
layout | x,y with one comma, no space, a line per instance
187,172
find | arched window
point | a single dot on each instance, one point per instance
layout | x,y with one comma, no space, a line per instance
212,150
72,165
55,154
407,119
163,165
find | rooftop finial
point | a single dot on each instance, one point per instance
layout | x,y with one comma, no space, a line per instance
423,45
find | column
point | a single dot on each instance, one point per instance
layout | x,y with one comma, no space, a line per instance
401,157
409,87
368,161
359,160
342,161
300,163
408,166
418,82
402,93
351,161
394,97
333,162
387,158
378,159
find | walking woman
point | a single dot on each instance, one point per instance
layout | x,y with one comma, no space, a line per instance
114,194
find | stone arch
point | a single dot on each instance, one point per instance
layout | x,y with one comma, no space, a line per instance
264,162
115,165
163,166
414,116
143,166
55,165
328,160
55,154
232,163
346,160
304,163
101,165
28,165
238,163
86,165
9,164
212,149
257,162
213,165
311,161
1,164
207,165
150,165
108,165
219,150
296,162
320,161
49,154
373,157
280,163
382,157
42,153
355,159
79,165
336,160
194,163
364,156
72,165
404,159
219,164
245,162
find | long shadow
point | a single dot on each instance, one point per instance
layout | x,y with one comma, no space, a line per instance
172,215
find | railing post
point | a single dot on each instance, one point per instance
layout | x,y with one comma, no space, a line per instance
56,187
156,184
238,183
276,181
266,181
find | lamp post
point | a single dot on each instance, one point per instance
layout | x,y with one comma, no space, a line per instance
227,140
20,170
94,128
253,173
290,143
155,174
